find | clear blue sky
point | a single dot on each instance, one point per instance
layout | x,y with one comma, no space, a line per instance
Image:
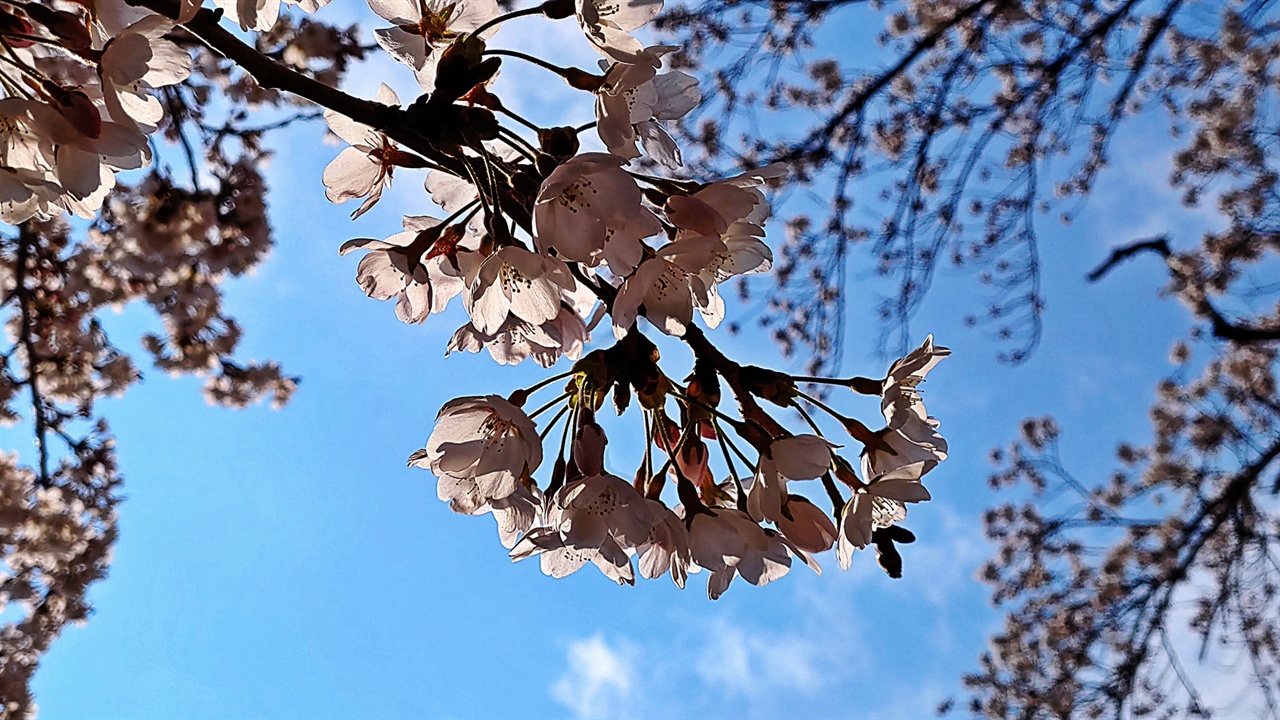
287,564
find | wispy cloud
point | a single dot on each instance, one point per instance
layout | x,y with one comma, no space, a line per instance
759,664
598,680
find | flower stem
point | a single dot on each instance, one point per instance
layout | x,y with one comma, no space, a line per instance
503,136
733,472
845,382
809,420
520,119
820,405
690,401
555,419
541,384
561,71
837,502
549,405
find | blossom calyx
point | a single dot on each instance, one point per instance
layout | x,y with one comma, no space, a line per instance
463,66
558,142
865,435
771,385
558,9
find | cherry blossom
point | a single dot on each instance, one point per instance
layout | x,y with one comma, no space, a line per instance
809,527
515,340
635,98
744,253
136,61
667,547
712,209
422,29
857,519
260,15
803,457
423,268
487,440
900,399
588,210
666,285
515,513
727,542
915,440
514,282
608,22
590,520
364,169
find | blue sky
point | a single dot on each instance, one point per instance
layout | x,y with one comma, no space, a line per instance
287,564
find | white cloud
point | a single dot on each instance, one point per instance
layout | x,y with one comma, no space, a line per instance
598,680
758,664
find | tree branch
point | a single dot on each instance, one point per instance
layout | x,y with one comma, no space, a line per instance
1222,328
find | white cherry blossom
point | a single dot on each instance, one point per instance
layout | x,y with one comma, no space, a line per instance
607,24
84,163
916,439
486,440
422,29
586,511
634,99
136,61
726,543
514,514
516,282
364,169
423,271
803,457
666,285
900,399
559,559
261,15
857,519
590,520
565,335
744,253
667,547
588,210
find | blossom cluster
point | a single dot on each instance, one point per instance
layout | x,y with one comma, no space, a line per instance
542,241
64,138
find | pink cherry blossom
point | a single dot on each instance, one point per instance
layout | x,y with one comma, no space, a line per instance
809,527
718,205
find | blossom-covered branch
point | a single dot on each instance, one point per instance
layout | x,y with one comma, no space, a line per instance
541,242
